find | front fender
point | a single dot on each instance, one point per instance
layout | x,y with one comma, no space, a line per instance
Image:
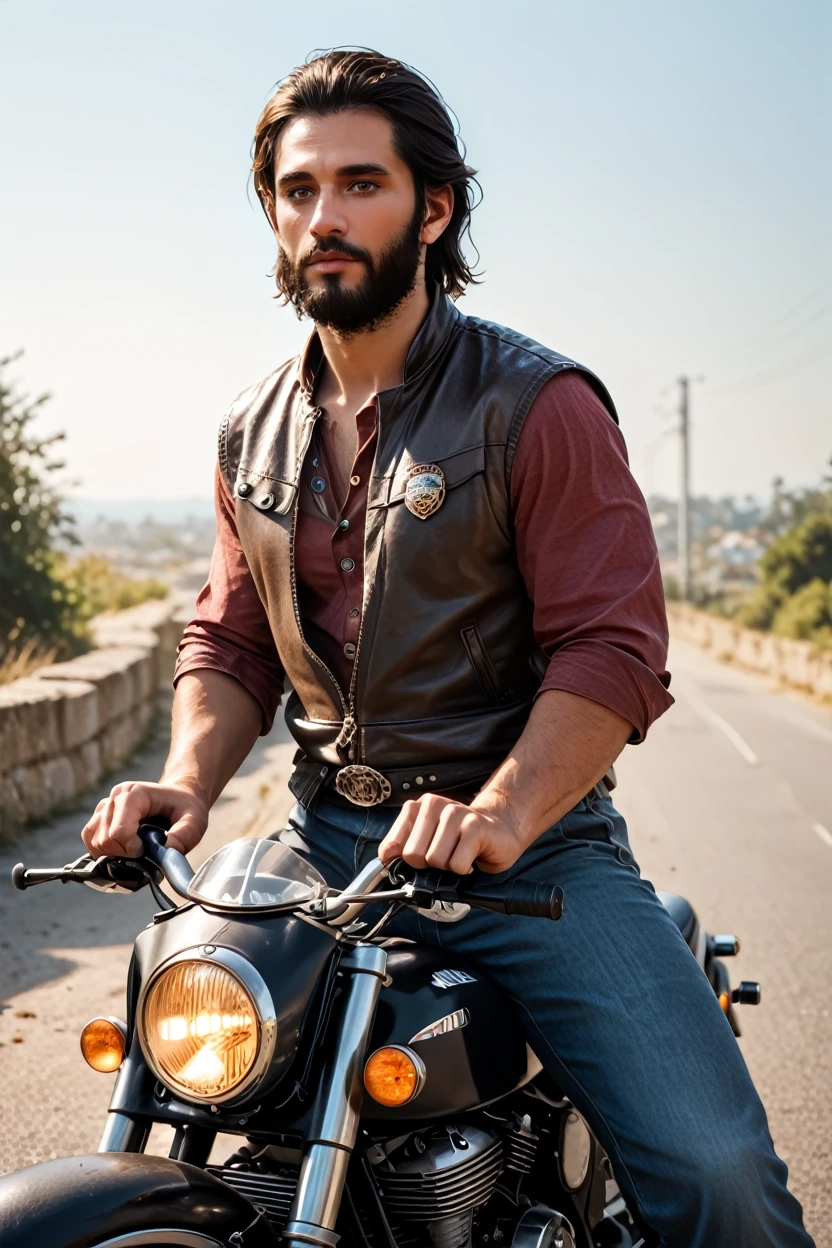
77,1202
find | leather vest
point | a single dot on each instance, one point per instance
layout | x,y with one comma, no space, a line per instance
446,667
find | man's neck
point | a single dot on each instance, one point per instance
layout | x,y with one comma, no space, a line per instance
361,365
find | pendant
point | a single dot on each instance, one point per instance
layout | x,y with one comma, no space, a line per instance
425,491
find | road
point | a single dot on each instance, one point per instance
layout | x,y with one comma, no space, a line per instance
729,802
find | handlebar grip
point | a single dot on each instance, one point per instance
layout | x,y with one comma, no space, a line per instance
151,833
534,901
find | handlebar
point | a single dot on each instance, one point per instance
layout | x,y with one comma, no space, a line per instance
174,866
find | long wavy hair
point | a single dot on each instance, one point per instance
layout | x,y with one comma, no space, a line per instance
423,134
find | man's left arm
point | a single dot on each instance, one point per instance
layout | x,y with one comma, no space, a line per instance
587,553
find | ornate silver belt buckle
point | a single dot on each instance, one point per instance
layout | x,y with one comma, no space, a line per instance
364,786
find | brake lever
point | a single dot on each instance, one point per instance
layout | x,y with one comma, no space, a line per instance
174,866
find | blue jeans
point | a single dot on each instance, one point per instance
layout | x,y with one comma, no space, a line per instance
620,1014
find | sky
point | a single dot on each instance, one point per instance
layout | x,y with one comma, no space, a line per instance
656,202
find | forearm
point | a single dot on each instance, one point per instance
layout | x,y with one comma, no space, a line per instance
216,721
568,744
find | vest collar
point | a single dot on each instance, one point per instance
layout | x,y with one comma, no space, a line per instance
433,333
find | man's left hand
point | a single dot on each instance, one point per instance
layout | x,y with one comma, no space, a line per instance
434,831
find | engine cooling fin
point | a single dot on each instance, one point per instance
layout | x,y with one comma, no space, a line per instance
437,1181
273,1193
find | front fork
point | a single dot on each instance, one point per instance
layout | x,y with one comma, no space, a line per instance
328,1148
332,1138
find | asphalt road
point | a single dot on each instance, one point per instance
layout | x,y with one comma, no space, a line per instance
729,802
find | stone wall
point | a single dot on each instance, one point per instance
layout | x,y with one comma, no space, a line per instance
68,724
797,664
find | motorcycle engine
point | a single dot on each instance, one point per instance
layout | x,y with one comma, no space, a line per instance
434,1180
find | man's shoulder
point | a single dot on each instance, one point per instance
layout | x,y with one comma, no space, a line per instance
498,337
263,390
506,348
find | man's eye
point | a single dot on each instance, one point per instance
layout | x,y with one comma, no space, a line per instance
299,192
363,185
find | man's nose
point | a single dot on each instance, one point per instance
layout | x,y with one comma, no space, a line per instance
327,218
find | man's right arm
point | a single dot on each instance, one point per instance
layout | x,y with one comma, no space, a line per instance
229,681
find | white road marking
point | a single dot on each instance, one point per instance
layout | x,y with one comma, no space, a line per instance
823,833
739,743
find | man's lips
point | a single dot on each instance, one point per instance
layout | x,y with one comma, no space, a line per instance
332,263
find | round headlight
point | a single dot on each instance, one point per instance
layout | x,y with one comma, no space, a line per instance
201,1029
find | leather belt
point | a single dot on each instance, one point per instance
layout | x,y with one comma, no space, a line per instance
357,785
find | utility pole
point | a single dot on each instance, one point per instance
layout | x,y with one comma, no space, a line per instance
683,540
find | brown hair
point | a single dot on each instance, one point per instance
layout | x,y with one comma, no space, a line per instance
423,134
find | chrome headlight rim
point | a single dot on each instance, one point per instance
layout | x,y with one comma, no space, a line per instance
253,983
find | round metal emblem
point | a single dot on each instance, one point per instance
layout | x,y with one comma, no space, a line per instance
364,786
425,491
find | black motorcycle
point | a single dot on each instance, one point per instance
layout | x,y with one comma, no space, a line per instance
384,1095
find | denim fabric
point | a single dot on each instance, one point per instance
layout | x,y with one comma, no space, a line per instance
622,1018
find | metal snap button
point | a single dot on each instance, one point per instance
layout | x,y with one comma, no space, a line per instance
405,785
243,489
420,779
354,613
318,484
347,564
265,502
432,779
343,524
349,650
355,480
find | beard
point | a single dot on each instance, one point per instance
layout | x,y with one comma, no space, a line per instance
390,278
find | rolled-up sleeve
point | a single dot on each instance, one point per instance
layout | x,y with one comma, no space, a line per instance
230,632
588,556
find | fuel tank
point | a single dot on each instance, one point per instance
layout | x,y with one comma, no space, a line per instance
473,1047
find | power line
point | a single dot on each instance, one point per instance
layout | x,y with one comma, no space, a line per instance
759,340
769,376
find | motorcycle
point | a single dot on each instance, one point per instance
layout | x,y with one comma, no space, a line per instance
384,1094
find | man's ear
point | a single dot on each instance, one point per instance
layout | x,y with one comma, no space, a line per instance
268,208
439,204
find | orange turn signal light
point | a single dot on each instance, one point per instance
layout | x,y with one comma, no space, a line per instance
725,1001
103,1041
394,1075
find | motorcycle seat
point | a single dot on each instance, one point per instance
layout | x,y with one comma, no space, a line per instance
682,914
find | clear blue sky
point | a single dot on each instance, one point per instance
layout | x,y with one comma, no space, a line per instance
657,200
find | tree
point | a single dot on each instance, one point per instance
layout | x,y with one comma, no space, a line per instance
801,555
34,603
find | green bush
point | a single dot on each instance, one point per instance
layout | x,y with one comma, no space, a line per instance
35,605
807,614
97,586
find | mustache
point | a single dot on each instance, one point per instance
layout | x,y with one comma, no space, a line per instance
341,247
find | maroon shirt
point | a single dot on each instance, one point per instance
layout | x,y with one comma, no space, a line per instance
585,549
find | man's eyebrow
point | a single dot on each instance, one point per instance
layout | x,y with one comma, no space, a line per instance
358,171
345,171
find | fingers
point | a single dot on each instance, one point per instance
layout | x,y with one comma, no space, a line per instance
113,828
427,834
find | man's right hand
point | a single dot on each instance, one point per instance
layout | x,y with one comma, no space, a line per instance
113,828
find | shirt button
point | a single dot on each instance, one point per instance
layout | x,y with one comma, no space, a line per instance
318,484
343,524
354,613
349,650
355,480
347,564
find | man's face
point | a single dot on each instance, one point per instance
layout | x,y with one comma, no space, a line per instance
346,219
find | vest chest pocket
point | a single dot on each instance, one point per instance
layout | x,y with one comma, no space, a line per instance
427,489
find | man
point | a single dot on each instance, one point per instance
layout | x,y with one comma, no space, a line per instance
427,523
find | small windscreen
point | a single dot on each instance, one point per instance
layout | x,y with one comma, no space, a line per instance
255,874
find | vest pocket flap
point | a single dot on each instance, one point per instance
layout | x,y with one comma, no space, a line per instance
456,469
264,493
